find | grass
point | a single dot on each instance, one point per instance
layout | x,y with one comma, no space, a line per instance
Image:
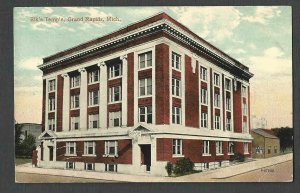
20,161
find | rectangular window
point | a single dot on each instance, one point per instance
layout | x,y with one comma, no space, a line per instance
216,79
51,86
51,124
115,119
176,87
206,148
204,96
51,105
244,91
217,100
275,149
219,147
75,123
230,148
204,120
228,123
111,148
111,167
227,84
245,109
89,148
269,149
246,151
94,76
176,61
145,87
176,115
70,148
94,98
145,114
70,165
115,70
75,101
217,122
203,73
89,166
94,121
75,81
115,94
228,103
245,127
145,60
177,147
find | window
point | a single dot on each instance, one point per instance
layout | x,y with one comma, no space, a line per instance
94,98
176,87
89,166
217,122
145,60
228,123
74,123
275,149
219,147
217,100
228,103
89,148
51,104
94,76
203,73
115,119
115,94
75,101
176,115
244,91
111,148
145,87
245,109
269,149
71,148
111,167
230,148
216,79
246,148
145,114
51,85
245,127
204,120
51,124
75,81
93,121
177,147
206,148
227,84
115,70
258,150
206,166
70,165
204,96
176,61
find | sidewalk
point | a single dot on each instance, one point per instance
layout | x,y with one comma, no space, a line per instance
212,175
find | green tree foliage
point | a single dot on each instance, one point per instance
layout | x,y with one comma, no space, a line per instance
25,147
169,168
285,134
183,166
18,141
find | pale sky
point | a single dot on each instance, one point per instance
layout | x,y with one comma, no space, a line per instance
259,37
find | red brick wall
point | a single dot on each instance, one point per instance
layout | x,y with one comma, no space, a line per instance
44,105
145,74
237,109
60,84
130,89
211,100
191,94
162,84
145,101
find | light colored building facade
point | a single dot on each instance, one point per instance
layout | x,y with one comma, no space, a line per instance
147,94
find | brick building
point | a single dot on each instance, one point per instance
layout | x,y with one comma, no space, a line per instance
149,93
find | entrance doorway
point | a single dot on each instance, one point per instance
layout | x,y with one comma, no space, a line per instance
146,156
50,153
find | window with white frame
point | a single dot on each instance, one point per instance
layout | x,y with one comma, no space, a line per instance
70,165
177,147
227,84
145,87
216,79
203,73
89,147
245,127
75,81
75,123
206,148
244,91
51,124
51,105
228,103
245,109
275,149
94,98
89,166
111,148
93,76
145,60
70,148
219,147
246,150
115,70
176,61
228,123
217,122
111,167
204,120
145,114
74,101
204,96
217,100
94,121
176,87
230,148
115,119
51,86
115,94
176,115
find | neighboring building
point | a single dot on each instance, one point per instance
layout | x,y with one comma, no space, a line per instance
149,93
258,122
265,143
33,129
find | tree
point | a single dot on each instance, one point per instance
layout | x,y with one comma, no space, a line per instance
28,145
285,134
18,140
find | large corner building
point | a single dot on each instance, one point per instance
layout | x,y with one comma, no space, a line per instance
149,93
